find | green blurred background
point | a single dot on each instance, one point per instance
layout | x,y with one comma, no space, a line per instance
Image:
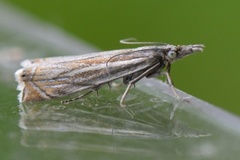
212,75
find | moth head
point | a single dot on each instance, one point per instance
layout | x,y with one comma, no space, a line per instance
178,52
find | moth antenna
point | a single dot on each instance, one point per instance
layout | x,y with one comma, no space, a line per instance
134,41
107,66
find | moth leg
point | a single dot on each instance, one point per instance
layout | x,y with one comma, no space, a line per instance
109,85
76,98
168,68
132,82
96,92
124,95
169,80
170,83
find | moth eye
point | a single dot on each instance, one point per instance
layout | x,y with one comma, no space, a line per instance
172,54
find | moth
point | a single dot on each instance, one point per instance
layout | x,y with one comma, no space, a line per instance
48,78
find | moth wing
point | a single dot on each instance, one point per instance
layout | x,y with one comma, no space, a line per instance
58,76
